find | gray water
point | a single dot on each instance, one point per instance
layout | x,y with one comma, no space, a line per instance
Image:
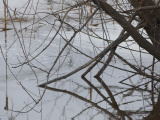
28,40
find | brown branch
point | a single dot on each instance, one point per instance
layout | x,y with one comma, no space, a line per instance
143,8
136,69
106,63
128,27
112,45
115,43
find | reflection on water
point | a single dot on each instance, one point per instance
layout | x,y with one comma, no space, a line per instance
35,39
24,37
68,20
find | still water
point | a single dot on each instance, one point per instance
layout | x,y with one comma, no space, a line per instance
31,32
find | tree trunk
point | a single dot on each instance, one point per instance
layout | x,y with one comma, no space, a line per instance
152,20
128,27
151,17
155,113
152,27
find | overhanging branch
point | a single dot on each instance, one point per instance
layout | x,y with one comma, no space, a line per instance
128,27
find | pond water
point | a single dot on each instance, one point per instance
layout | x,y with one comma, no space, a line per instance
27,37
